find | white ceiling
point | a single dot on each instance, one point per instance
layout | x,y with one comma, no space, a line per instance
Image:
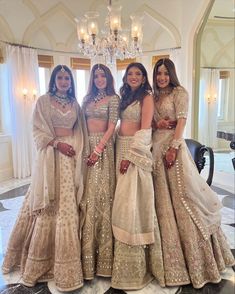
50,24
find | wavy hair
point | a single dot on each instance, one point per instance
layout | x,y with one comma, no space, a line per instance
127,95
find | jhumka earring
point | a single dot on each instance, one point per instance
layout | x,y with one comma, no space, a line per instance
70,90
54,88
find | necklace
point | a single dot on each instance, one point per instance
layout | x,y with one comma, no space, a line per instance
100,96
63,100
164,91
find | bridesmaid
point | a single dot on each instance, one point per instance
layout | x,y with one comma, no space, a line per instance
194,247
101,109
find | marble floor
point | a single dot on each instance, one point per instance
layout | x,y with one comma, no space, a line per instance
11,196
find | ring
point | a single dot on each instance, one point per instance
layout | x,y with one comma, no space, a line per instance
71,148
67,153
125,168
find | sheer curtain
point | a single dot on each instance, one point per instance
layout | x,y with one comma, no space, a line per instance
22,71
207,119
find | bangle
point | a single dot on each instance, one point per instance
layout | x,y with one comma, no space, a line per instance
55,144
98,149
176,143
97,153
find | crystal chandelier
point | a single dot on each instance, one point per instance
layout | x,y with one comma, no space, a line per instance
112,43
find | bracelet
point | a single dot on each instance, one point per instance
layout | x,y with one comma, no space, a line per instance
97,153
55,144
176,143
98,149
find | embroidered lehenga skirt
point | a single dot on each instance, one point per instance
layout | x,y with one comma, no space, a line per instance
135,266
192,252
46,245
96,205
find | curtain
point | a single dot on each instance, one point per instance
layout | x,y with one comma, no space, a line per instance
207,119
22,71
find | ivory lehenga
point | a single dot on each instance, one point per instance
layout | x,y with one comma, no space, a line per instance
194,247
137,254
96,205
45,241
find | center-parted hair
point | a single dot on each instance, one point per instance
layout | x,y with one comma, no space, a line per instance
174,82
92,90
52,85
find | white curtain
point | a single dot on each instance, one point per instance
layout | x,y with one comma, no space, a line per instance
207,119
22,71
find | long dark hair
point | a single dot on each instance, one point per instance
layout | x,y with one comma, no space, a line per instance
174,82
92,90
127,95
52,85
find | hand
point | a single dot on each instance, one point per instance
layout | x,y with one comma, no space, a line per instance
124,166
166,123
170,157
66,149
92,159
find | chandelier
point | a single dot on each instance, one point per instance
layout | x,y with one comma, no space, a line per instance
112,42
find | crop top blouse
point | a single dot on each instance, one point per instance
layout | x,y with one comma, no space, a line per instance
108,110
132,113
63,120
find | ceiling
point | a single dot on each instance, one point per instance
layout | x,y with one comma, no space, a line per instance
51,24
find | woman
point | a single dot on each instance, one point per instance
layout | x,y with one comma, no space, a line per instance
137,255
101,109
194,247
45,240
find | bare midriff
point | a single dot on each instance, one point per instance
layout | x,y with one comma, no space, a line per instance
128,128
97,125
63,132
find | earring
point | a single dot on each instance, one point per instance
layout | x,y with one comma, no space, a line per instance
70,90
54,88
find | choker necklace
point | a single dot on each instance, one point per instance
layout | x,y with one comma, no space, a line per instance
63,100
100,96
164,91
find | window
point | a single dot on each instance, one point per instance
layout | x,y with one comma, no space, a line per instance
44,77
120,74
81,81
223,95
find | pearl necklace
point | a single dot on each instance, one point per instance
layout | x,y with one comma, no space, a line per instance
63,100
100,96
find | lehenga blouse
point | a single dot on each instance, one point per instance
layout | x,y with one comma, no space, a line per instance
132,113
63,120
103,111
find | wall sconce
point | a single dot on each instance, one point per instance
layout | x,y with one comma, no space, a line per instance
208,97
25,92
34,94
